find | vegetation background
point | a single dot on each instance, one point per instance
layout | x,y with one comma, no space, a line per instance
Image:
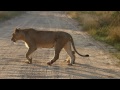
102,25
5,15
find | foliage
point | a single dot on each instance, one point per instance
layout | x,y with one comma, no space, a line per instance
102,25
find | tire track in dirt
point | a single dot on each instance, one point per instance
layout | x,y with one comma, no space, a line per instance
99,65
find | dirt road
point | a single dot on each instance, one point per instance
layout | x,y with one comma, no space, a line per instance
99,65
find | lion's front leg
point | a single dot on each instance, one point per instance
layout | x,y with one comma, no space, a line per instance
30,51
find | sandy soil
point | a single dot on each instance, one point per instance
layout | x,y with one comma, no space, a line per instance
100,64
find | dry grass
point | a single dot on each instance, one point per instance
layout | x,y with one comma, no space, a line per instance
102,25
9,14
114,34
85,19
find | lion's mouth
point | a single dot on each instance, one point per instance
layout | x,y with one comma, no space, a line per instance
14,40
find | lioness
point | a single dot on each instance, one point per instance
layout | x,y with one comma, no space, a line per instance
46,39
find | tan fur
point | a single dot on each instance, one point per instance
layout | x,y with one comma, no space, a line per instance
46,39
68,58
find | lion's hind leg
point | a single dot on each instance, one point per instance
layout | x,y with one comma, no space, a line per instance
68,58
71,58
58,48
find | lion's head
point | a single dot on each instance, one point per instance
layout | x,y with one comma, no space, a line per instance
17,35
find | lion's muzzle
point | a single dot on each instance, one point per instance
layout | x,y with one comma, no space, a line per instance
12,39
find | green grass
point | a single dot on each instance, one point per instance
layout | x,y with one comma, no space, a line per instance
102,25
5,15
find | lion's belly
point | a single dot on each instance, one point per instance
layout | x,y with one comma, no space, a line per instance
45,45
42,45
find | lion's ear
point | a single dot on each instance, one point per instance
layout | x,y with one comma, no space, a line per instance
17,30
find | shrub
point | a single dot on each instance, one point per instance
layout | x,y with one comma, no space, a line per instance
9,14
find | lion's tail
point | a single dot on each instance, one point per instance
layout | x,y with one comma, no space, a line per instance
76,50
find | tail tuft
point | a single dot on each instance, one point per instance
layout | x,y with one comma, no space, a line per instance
87,55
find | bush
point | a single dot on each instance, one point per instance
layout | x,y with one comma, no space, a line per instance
114,34
102,25
9,14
